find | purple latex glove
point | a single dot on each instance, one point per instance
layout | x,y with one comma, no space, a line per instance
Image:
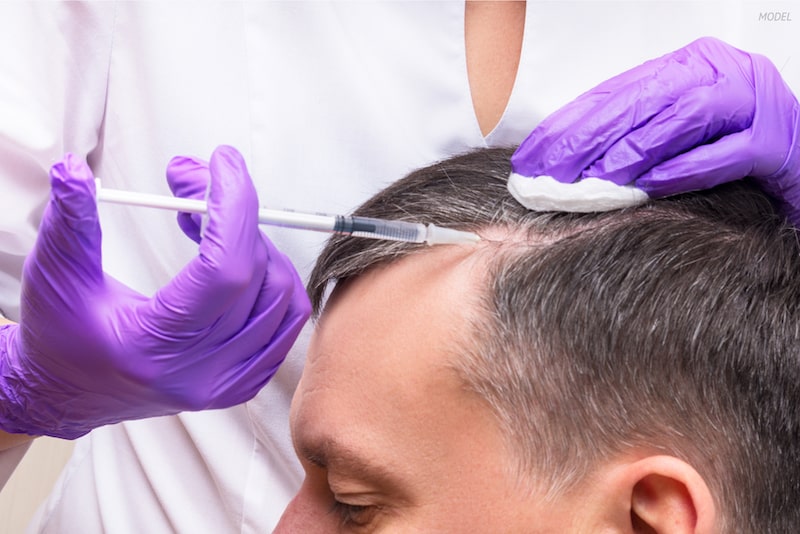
695,118
90,351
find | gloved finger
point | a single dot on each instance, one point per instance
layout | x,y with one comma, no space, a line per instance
238,315
253,355
240,383
209,285
280,299
189,178
262,362
776,123
690,122
283,305
730,158
65,263
573,137
257,369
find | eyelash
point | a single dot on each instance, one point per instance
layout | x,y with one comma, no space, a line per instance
351,514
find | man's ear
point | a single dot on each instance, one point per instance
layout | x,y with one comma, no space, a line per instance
667,495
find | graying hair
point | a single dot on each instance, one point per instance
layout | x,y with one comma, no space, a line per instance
672,327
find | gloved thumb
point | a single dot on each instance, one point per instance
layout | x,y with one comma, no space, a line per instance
66,259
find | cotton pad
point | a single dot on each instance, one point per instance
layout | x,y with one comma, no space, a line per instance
545,193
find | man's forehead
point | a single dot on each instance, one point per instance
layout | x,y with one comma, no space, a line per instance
430,291
398,324
386,342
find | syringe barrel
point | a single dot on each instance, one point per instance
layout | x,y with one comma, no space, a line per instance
381,229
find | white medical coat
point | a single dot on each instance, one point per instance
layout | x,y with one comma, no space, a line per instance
329,102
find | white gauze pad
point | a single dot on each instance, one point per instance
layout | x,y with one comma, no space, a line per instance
545,193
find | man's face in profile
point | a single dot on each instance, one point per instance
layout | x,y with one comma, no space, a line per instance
388,436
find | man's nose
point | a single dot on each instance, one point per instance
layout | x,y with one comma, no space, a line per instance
303,516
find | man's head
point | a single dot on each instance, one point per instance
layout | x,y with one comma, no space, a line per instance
629,371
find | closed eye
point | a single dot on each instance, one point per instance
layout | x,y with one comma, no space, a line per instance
354,514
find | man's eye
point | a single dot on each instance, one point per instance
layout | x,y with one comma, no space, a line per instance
354,515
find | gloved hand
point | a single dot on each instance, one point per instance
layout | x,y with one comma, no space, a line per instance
697,117
89,351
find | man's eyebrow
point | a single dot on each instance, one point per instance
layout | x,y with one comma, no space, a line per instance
328,452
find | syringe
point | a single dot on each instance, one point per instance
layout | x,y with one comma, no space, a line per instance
337,224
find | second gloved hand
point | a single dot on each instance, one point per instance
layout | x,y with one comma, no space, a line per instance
90,351
703,115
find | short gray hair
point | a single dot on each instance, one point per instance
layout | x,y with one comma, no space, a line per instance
673,326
